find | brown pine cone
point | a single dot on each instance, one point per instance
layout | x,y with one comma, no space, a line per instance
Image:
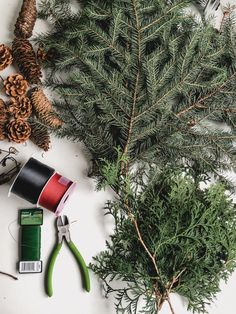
25,58
26,20
41,54
15,85
3,120
43,108
18,131
39,135
52,120
20,107
51,55
5,57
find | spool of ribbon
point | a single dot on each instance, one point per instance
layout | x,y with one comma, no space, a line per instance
31,180
56,193
40,184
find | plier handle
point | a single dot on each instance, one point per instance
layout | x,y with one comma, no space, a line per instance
63,228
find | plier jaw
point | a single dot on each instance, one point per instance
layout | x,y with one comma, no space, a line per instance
63,227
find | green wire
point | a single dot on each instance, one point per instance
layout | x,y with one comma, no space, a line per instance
30,243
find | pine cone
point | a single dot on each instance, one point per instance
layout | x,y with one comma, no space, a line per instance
25,57
26,20
18,131
20,107
51,55
43,108
3,120
41,54
51,120
5,57
40,136
15,85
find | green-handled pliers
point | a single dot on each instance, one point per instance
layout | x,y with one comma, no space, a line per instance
64,233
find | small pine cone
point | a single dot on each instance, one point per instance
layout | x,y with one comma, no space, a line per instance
43,108
41,54
51,55
18,131
20,107
192,123
26,20
52,120
5,57
15,85
25,58
40,136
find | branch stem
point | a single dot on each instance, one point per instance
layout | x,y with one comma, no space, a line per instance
170,305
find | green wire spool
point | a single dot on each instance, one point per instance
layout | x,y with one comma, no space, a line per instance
30,247
30,243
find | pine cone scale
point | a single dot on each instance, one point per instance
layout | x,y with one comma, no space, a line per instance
5,57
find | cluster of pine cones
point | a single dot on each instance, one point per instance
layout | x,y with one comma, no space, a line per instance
28,114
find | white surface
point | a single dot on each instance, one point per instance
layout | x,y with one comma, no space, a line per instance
88,232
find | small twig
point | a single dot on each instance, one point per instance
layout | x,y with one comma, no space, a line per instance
169,302
141,240
226,14
175,279
8,275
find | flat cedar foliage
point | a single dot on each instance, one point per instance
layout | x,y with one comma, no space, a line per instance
150,91
186,241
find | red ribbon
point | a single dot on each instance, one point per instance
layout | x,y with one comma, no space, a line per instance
54,191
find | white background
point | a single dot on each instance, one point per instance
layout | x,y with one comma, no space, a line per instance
89,230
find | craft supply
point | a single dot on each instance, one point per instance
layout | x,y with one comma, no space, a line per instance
63,227
30,247
8,160
32,217
55,193
8,275
40,184
31,180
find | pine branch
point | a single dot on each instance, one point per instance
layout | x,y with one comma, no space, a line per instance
141,84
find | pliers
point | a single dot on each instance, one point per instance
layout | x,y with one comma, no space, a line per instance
63,228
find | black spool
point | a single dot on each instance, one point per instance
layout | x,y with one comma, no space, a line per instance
31,180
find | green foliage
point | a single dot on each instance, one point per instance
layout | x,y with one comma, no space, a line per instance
147,88
190,232
146,77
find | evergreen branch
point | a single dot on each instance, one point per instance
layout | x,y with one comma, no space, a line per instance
166,13
202,99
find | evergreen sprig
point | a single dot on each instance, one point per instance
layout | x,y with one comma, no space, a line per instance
145,77
186,241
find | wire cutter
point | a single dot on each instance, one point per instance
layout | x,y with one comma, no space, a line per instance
63,228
